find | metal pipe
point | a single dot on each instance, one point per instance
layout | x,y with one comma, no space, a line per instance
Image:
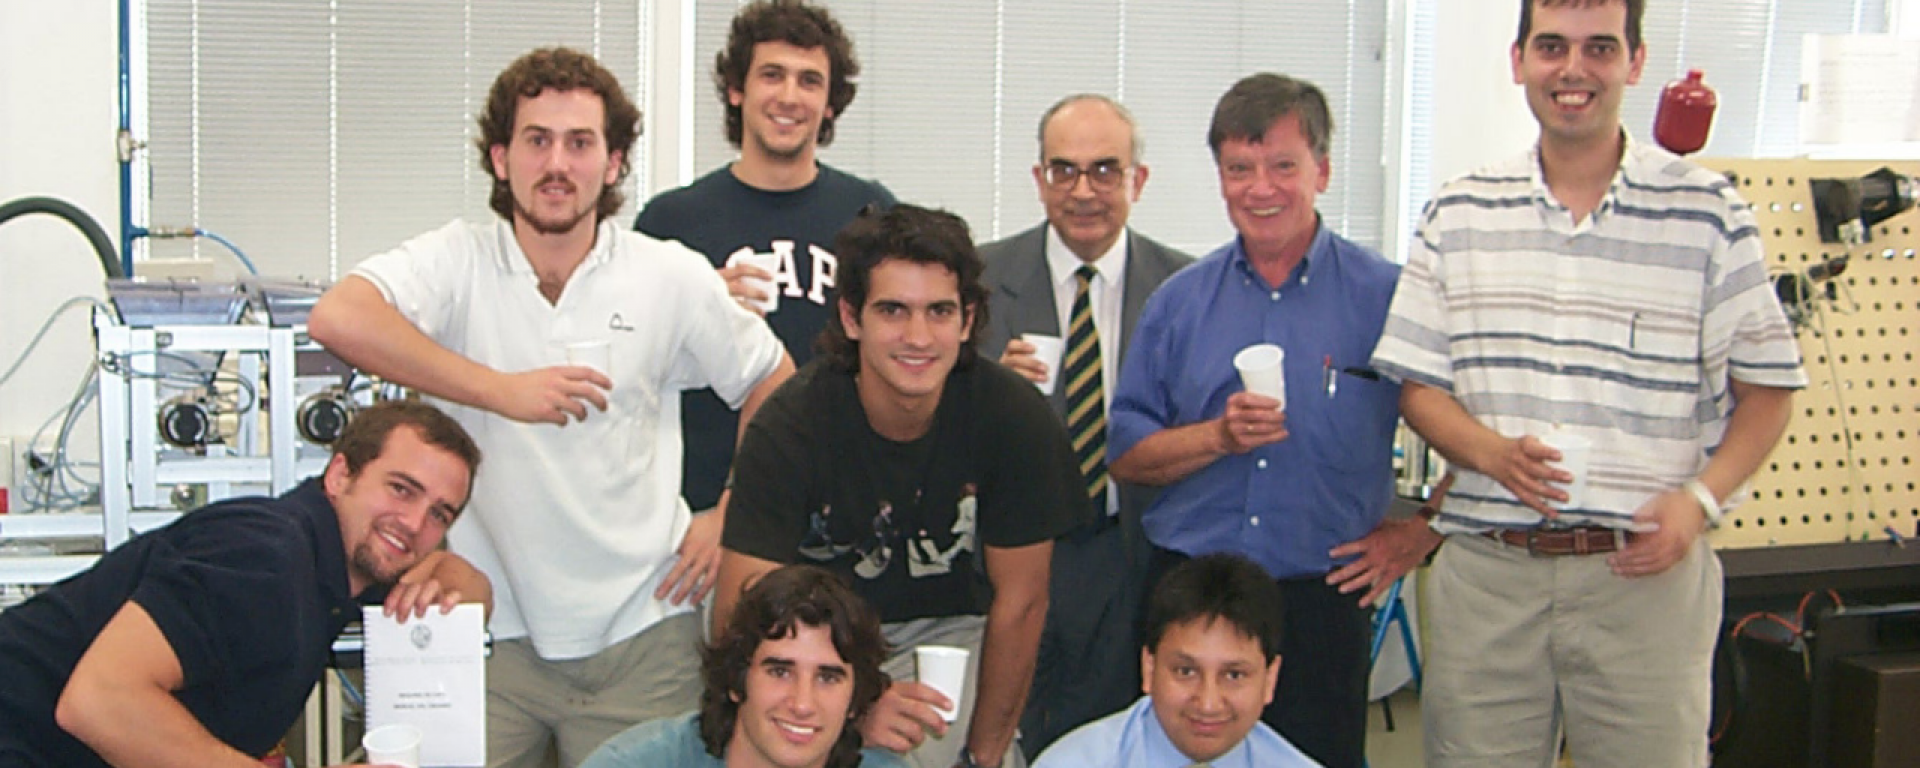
125,145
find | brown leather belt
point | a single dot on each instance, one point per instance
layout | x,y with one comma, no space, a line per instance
1557,542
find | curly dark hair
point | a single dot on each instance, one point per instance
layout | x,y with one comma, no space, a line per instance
796,23
366,434
773,608
911,233
561,69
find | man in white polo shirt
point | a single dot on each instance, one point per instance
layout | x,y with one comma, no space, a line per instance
562,342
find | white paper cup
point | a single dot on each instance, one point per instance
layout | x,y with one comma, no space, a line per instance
397,744
945,668
1049,350
769,262
1575,450
1263,371
597,355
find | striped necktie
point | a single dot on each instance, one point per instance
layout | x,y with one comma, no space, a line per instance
1086,399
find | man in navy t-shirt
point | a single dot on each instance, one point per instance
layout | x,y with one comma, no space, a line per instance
785,79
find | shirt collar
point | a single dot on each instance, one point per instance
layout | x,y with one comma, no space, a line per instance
1319,258
329,551
1161,751
514,261
1061,260
1543,195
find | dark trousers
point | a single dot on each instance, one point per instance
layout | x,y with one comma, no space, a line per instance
1089,661
1321,703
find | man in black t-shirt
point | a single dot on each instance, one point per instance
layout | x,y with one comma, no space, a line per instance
933,480
198,643
784,78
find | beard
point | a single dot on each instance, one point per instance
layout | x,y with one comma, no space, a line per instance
377,575
554,226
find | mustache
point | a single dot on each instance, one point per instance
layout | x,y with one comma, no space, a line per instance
555,178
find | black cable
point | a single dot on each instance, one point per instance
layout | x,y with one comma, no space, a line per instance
102,247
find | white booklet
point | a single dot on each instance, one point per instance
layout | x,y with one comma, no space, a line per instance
431,673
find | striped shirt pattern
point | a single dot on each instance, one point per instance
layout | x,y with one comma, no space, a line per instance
1625,327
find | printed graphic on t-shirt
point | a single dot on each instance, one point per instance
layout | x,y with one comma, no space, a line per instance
927,555
822,265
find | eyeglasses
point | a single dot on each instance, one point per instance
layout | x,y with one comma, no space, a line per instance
1103,175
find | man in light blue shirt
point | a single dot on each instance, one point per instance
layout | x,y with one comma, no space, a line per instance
1210,663
797,664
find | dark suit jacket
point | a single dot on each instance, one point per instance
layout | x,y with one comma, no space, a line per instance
1022,302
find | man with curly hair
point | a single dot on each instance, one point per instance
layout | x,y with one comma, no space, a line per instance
797,664
557,338
784,78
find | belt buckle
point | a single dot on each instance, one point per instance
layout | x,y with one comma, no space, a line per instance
1533,537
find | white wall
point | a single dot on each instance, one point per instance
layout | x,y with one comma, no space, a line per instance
59,61
1480,116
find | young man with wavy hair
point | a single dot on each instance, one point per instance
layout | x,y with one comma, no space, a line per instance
556,336
795,667
932,480
785,78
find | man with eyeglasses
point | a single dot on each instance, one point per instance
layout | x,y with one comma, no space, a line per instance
1082,275
1283,483
932,480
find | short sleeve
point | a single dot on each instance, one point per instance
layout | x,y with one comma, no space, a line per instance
772,484
1033,490
1142,401
224,593
1745,335
724,346
414,277
1414,344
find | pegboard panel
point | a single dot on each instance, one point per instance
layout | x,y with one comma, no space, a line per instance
1845,470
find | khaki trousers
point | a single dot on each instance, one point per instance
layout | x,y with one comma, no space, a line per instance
1522,647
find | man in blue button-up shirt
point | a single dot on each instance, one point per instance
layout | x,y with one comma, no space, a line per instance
1283,486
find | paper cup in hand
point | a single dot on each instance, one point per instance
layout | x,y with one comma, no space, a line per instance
597,355
769,262
397,744
1047,349
945,668
1574,450
1263,371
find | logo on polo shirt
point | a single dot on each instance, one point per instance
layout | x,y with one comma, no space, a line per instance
618,323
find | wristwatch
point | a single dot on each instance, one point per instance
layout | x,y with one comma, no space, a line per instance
1708,504
967,761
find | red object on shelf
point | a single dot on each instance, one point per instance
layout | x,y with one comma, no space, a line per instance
1685,115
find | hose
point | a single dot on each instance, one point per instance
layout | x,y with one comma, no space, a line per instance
102,247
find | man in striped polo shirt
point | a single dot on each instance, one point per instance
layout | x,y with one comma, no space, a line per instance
1613,291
